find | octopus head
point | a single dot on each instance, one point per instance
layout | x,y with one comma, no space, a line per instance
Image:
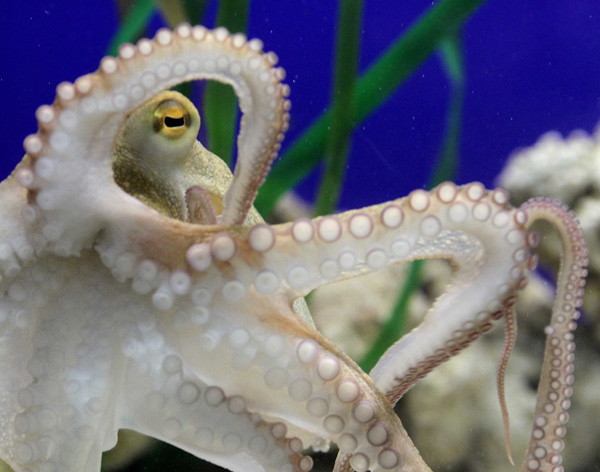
158,160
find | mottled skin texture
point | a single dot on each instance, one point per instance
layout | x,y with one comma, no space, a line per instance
141,290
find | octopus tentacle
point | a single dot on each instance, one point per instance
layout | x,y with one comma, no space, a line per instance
510,334
475,300
286,370
71,153
302,255
200,207
68,404
203,420
556,380
60,405
297,377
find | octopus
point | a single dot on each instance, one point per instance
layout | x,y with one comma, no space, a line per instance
141,290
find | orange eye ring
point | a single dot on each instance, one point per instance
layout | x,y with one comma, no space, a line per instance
171,119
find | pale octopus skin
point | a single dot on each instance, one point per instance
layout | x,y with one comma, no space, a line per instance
174,310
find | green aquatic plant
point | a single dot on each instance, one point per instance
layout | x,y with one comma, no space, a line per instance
347,49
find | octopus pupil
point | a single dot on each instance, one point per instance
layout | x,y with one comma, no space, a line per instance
171,122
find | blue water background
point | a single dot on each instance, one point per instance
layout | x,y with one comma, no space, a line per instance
531,67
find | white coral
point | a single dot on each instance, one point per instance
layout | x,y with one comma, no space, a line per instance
562,168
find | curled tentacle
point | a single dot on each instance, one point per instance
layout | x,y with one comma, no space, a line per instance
71,154
556,380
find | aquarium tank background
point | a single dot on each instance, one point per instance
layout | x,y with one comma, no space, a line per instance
511,71
529,67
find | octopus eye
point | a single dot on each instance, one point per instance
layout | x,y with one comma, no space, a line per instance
171,119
